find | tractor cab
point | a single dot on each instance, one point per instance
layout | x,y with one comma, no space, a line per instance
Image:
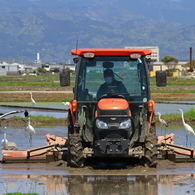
128,76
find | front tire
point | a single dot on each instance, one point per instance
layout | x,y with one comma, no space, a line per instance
75,151
151,151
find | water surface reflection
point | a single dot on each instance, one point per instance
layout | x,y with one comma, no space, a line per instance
92,185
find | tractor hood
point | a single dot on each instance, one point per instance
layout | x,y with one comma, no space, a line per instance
113,104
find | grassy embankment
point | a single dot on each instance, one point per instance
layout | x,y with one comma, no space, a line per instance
174,85
51,82
46,82
35,83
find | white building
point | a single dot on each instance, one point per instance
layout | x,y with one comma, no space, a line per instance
13,68
161,66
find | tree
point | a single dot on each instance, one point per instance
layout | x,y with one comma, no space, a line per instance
41,70
171,62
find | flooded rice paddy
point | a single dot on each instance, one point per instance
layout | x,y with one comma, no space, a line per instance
57,178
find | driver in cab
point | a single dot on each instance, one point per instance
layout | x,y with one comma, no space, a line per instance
111,85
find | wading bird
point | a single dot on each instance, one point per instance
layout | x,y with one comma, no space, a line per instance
8,113
30,129
188,128
32,100
162,121
4,142
66,103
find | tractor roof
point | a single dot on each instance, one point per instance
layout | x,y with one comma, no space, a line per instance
111,52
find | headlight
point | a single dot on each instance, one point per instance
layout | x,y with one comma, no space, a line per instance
125,124
101,124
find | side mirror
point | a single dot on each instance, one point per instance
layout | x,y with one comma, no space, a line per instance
161,78
148,60
75,60
64,78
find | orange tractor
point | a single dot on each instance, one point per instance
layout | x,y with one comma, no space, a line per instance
112,114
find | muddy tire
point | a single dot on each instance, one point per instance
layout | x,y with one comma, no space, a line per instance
75,151
151,151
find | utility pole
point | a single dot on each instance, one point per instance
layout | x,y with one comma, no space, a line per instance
191,62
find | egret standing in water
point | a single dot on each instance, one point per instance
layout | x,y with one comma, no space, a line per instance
30,129
162,121
188,128
32,100
4,142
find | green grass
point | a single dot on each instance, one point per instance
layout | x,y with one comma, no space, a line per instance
53,80
40,119
16,82
33,84
18,193
174,91
176,81
67,99
39,80
189,116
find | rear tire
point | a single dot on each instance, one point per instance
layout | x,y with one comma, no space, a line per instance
151,151
75,151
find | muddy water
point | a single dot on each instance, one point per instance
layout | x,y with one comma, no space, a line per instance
102,178
58,179
116,178
100,184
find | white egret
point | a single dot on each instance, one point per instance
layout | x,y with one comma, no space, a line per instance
4,142
162,121
66,103
32,100
8,113
188,128
30,129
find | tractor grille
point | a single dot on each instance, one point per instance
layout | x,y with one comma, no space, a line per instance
113,112
113,134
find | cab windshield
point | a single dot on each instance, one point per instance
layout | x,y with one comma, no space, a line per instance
112,76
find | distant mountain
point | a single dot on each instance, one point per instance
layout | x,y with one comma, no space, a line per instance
52,27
